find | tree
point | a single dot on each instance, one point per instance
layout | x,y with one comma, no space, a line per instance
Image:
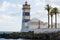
51,13
48,7
55,11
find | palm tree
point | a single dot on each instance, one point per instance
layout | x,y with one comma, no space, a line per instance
55,12
51,13
48,7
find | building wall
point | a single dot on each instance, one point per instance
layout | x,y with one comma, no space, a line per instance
46,30
34,24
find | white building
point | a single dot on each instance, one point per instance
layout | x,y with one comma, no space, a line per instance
37,24
40,28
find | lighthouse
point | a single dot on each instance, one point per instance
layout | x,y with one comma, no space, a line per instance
26,17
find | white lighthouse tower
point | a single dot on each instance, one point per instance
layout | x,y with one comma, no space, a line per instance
26,17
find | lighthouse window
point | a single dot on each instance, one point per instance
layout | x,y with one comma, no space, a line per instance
25,24
26,20
27,14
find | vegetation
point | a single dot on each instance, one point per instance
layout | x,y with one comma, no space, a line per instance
31,35
55,11
52,11
51,14
48,8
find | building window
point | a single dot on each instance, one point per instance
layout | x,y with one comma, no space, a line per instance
26,20
25,24
26,14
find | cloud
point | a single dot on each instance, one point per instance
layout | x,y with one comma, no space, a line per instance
55,6
19,6
6,5
38,10
13,13
9,19
40,4
54,0
11,23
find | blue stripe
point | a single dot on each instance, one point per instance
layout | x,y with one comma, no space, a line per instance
26,14
26,20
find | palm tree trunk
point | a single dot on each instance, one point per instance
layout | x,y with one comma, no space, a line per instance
48,20
51,21
55,20
38,24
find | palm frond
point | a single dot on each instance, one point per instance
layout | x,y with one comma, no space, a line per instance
48,7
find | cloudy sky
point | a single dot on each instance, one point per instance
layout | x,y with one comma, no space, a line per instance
11,12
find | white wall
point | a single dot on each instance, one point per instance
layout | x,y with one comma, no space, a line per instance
46,30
